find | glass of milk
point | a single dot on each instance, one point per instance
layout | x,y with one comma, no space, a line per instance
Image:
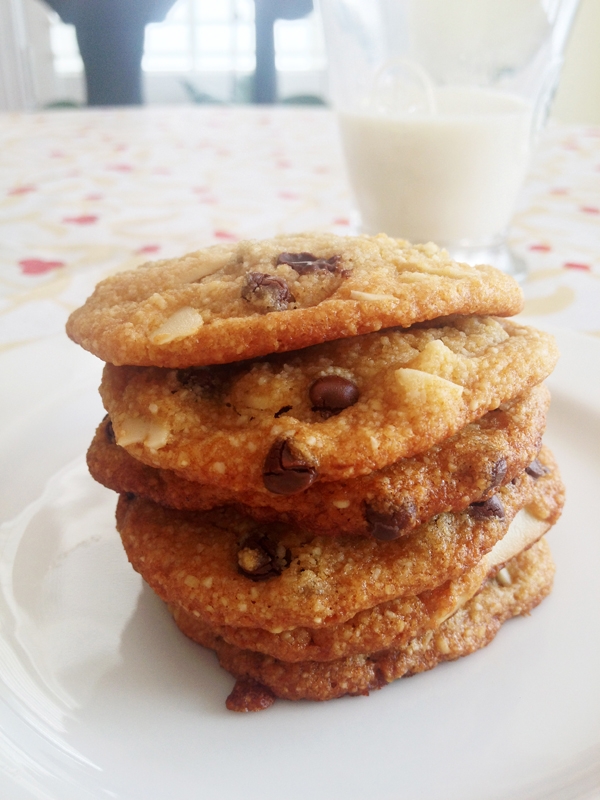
439,103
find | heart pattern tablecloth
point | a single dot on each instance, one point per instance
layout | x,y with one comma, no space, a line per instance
86,193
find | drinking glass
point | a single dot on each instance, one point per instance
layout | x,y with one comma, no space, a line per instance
439,104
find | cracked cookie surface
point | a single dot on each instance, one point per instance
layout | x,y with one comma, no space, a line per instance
261,424
238,301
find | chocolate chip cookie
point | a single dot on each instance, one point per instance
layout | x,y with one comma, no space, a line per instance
387,503
231,570
393,623
262,424
525,582
238,301
390,624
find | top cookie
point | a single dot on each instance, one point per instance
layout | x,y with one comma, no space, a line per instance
232,302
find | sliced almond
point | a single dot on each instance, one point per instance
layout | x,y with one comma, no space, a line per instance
408,276
503,577
262,390
421,389
208,262
524,530
132,430
157,436
135,430
183,323
437,359
356,295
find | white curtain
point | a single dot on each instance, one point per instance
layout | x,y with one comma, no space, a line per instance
16,79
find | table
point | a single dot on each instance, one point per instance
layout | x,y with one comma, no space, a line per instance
85,193
99,694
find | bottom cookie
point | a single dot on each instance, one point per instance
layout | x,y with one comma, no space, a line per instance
517,589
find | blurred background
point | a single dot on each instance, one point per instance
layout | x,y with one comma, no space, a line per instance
208,51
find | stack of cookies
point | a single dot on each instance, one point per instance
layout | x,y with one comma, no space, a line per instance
329,455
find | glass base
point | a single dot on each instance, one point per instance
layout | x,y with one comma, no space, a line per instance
499,256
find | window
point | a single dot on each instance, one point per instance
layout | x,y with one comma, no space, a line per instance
208,36
64,47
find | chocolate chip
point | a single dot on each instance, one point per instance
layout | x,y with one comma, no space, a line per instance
266,292
282,410
332,394
109,431
536,469
498,473
488,509
198,379
130,496
249,695
284,472
305,263
391,525
208,381
260,558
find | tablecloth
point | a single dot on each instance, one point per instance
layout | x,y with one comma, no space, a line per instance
84,193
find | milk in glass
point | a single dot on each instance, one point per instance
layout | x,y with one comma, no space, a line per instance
448,173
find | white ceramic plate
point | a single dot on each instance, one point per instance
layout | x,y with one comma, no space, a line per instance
102,697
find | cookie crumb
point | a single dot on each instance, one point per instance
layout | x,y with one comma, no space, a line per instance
503,577
341,503
249,695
